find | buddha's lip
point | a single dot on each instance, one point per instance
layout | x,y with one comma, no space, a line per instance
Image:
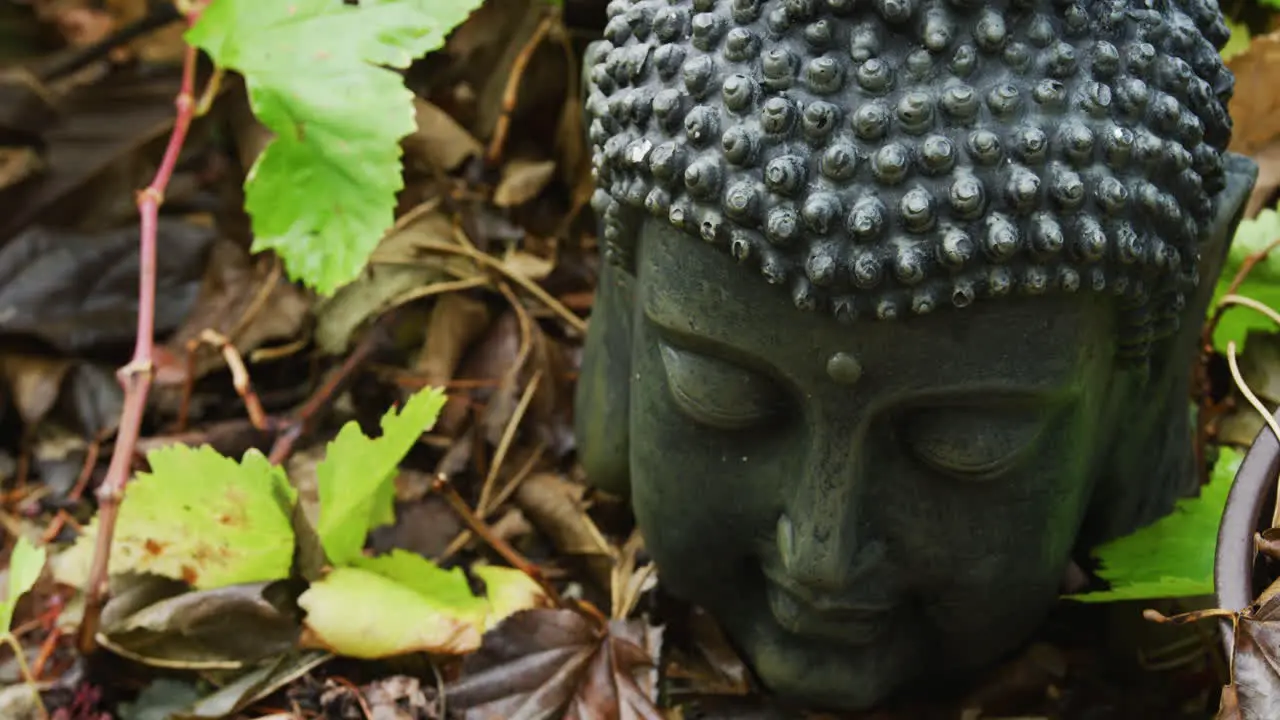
854,627
829,606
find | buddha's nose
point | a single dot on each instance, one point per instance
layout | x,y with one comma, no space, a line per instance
814,554
817,531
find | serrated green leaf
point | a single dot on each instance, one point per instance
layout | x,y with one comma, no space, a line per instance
200,517
356,477
402,603
25,564
1172,557
323,191
1263,284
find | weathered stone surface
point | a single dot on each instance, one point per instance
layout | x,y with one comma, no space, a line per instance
902,309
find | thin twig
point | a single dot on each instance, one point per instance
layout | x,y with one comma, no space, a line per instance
438,288
526,335
504,444
1204,386
136,376
464,537
239,375
305,415
1232,299
1262,410
489,261
445,488
510,93
47,649
21,657
259,299
355,691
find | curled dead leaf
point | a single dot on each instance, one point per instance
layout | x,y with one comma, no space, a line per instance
439,140
552,664
522,181
242,298
1255,104
34,383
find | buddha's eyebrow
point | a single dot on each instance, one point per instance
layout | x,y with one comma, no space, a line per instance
729,348
987,394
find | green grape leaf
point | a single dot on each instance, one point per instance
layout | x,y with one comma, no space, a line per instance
356,479
199,517
1172,557
323,191
402,603
25,564
1262,284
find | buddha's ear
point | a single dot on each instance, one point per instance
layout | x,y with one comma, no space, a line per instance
1241,174
602,405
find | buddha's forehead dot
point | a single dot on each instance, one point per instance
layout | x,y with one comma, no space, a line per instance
844,368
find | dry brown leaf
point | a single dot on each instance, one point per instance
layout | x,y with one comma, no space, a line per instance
425,526
555,506
243,299
522,180
78,291
457,321
528,265
95,151
18,164
1268,183
251,136
34,384
554,664
439,140
484,49
571,144
28,107
162,45
79,23
1255,105
396,269
709,666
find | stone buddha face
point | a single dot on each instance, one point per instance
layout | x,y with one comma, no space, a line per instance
900,310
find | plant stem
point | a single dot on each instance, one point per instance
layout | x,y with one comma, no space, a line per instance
20,655
136,376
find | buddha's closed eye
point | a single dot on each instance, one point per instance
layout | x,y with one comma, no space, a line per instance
717,393
973,443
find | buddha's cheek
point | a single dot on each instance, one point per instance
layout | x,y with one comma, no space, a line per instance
704,498
990,567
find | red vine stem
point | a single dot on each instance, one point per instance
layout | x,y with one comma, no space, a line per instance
136,376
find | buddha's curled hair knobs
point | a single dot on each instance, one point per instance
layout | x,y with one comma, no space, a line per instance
919,154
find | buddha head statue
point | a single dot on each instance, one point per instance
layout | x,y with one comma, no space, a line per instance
899,309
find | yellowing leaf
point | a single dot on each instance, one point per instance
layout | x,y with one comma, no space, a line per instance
199,517
509,591
25,563
401,603
356,477
359,613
